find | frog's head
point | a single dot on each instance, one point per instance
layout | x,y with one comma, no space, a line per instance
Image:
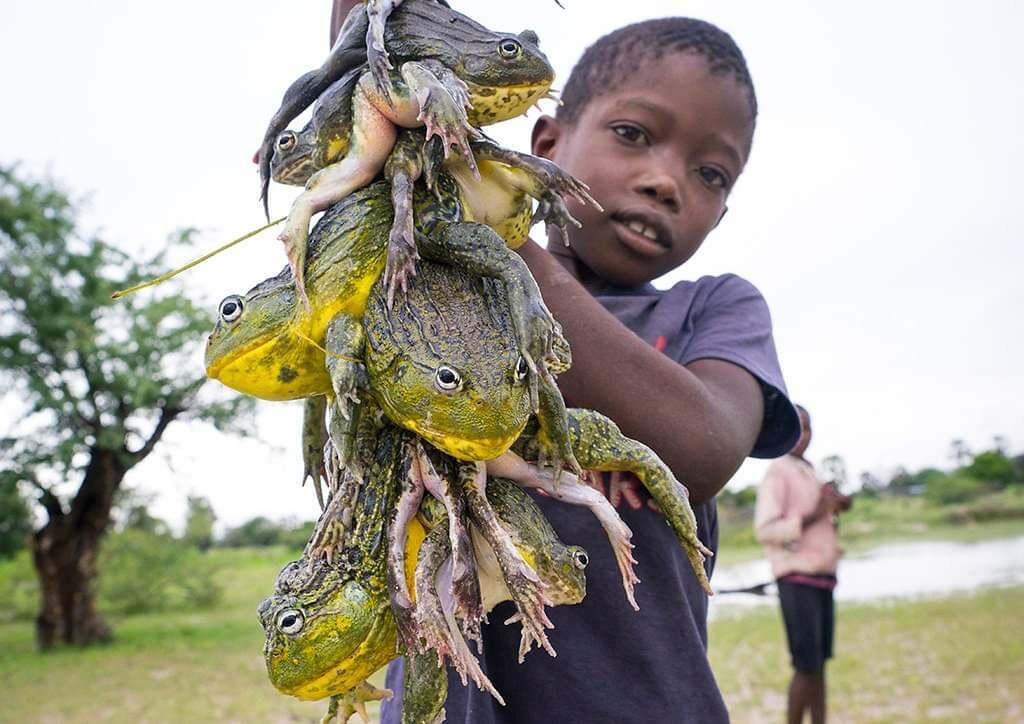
561,567
323,633
506,72
292,162
251,348
443,362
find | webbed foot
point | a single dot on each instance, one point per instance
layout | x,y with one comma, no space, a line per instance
401,262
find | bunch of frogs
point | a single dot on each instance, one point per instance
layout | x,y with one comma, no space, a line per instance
328,624
447,64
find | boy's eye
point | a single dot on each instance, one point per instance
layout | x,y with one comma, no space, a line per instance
630,133
713,177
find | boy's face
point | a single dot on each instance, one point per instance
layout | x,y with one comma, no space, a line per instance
660,152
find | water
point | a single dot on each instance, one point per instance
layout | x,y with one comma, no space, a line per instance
900,570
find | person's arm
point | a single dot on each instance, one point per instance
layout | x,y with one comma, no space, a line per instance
339,11
702,418
774,523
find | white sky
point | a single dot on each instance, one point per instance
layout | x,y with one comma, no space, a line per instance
879,215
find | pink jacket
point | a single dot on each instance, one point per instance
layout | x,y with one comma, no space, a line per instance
790,490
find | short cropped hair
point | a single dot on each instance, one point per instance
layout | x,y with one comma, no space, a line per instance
623,51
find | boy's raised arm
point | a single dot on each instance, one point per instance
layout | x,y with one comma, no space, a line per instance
702,419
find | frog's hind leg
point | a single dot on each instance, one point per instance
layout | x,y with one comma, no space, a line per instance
344,342
401,598
572,491
465,588
524,586
425,690
600,445
373,136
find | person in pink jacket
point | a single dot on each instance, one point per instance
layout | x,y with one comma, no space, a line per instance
796,522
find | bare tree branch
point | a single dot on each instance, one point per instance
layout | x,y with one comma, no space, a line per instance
167,415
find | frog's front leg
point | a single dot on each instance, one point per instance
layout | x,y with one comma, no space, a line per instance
600,445
571,490
524,586
553,441
344,343
335,521
425,690
465,586
401,599
377,12
314,438
403,168
543,180
343,706
442,98
373,136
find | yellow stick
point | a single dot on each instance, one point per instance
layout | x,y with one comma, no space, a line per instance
200,260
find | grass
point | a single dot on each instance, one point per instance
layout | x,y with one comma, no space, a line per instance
942,660
954,659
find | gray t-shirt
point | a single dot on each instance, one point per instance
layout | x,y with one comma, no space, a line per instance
613,663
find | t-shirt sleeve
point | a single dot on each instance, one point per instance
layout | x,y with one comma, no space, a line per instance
731,322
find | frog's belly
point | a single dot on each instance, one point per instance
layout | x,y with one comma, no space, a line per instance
495,201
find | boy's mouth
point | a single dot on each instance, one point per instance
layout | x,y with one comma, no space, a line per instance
642,231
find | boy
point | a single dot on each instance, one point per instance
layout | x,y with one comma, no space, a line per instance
658,119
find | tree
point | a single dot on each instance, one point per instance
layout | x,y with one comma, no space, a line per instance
101,381
993,466
959,452
199,520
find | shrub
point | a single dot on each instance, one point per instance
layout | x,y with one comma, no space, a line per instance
19,588
142,572
955,488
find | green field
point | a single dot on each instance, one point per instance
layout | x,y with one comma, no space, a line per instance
950,660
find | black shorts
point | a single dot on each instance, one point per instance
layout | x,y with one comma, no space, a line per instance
809,615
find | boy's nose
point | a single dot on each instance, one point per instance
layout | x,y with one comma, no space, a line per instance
663,189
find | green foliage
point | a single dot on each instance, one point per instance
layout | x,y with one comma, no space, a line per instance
91,372
199,520
15,520
260,532
994,467
142,571
954,488
19,590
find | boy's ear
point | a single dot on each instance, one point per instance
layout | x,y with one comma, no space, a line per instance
546,132
721,216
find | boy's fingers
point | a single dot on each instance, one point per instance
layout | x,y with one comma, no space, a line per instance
623,485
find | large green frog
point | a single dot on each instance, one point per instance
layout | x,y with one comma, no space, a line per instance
437,79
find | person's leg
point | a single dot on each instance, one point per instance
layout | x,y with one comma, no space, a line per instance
802,614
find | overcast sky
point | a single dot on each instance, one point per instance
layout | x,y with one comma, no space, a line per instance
880,213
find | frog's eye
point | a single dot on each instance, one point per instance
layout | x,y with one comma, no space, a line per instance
580,559
447,379
522,368
286,141
231,308
290,621
510,48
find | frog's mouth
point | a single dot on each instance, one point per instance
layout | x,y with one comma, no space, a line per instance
493,104
464,448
